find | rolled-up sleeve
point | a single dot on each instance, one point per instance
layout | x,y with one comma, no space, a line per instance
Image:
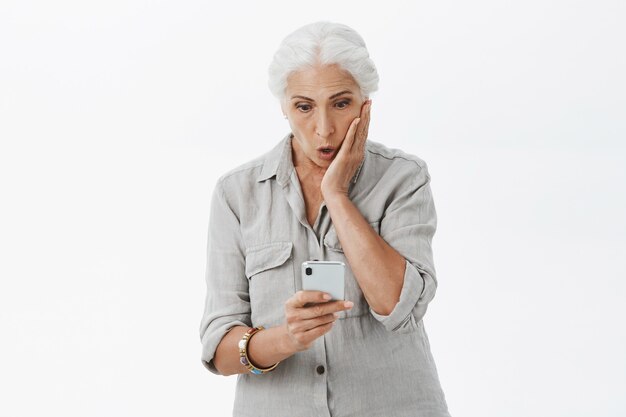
408,225
227,301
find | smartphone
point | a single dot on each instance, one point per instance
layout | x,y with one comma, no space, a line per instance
327,276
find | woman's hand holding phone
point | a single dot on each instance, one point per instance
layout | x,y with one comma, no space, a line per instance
309,315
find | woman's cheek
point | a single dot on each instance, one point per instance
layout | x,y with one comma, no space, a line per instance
347,124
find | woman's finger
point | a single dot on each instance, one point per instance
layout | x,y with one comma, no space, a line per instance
305,325
323,309
304,332
349,141
302,298
318,331
367,119
308,337
361,132
362,138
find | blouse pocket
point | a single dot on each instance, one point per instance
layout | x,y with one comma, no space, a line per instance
352,289
269,269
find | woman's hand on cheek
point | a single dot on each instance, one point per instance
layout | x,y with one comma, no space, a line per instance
336,181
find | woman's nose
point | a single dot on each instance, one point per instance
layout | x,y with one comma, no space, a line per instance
325,125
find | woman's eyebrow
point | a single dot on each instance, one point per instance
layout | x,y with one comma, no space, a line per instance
330,98
339,94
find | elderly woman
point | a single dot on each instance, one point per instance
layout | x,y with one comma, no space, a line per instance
324,192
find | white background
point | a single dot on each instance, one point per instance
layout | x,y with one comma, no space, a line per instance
117,117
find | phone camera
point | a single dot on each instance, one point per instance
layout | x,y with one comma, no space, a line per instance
308,271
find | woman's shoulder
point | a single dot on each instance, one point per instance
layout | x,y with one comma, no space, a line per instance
382,154
249,172
244,171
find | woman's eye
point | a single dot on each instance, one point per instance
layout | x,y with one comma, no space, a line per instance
303,107
342,104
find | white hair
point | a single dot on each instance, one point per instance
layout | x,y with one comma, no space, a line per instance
323,43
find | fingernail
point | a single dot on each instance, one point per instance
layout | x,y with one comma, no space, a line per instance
336,315
327,297
348,304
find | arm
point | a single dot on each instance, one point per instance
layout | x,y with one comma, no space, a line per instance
409,224
264,349
227,303
377,267
227,309
394,270
303,325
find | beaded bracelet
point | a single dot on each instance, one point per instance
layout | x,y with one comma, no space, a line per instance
243,353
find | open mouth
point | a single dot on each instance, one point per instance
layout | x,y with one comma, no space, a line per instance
326,152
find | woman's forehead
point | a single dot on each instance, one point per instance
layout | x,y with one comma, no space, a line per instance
321,82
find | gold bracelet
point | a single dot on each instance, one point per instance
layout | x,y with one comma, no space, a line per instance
243,353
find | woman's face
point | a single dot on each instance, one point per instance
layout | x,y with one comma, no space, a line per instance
320,104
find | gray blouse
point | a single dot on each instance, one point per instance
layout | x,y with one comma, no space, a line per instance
368,364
